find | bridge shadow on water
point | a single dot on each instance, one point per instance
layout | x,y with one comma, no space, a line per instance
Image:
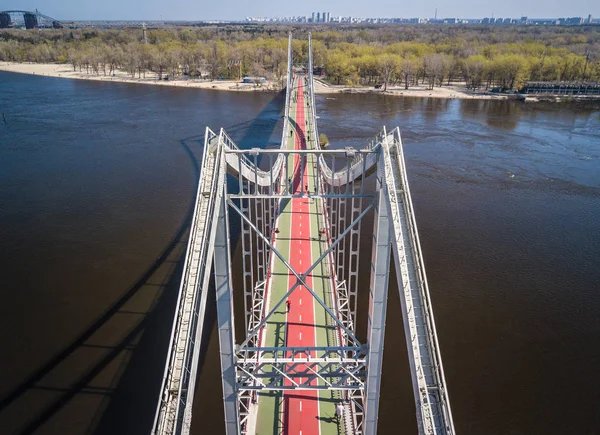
132,411
132,408
148,336
126,373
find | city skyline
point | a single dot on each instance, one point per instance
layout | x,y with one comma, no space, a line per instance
187,10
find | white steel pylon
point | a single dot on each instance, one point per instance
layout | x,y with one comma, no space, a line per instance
264,367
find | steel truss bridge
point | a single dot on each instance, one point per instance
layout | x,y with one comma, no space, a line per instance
301,367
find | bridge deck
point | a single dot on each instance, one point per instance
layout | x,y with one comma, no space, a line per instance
306,324
280,389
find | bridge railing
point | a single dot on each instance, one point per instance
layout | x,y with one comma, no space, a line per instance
424,288
360,162
434,406
311,89
288,93
246,167
173,415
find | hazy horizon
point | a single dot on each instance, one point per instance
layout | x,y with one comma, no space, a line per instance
187,10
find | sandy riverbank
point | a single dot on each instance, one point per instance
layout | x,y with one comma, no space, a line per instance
453,91
66,71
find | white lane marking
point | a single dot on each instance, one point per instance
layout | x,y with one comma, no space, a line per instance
301,409
300,225
300,301
300,262
300,251
300,318
300,336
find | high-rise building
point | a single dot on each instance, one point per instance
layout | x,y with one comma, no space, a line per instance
318,17
326,20
313,17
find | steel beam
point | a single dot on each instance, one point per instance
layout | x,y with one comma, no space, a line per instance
378,293
225,320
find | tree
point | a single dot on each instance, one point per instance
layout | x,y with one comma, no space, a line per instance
409,67
367,67
215,58
510,70
388,65
473,69
338,66
73,57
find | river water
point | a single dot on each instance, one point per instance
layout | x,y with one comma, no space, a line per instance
96,185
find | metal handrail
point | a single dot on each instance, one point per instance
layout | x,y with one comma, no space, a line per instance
432,343
164,411
424,286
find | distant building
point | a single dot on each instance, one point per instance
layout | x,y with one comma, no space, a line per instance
4,20
325,18
572,21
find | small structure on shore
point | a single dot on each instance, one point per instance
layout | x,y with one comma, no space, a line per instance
254,80
561,88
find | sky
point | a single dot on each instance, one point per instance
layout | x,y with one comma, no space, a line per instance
196,10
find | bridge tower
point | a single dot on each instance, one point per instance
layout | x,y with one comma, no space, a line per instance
311,355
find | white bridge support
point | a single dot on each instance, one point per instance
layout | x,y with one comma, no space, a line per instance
225,318
351,369
378,294
431,396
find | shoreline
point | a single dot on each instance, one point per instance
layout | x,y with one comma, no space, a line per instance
120,76
65,71
450,92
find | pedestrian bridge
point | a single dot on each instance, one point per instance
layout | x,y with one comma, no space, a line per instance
310,359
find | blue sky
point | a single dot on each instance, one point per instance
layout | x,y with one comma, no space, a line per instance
238,9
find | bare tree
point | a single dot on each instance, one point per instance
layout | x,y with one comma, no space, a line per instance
409,68
388,65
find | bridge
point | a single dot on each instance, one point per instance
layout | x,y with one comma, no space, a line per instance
302,356
27,19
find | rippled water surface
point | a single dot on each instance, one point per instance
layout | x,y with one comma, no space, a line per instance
96,185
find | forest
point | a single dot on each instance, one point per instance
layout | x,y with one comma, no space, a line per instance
481,57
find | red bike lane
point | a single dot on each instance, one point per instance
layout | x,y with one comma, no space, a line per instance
301,408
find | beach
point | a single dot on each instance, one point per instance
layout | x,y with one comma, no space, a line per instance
458,91
321,87
66,71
